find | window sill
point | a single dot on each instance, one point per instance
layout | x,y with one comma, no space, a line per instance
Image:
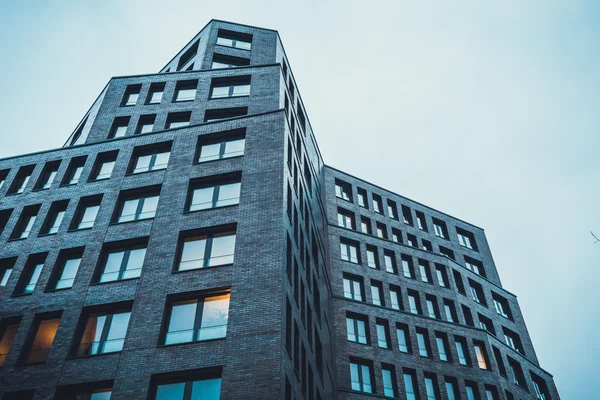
164,346
57,290
212,208
47,234
68,184
144,172
16,239
39,190
128,222
183,101
97,180
93,355
200,269
22,294
197,162
232,47
115,281
80,229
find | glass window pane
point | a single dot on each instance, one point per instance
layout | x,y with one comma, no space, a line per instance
229,194
143,164
181,323
210,152
354,377
129,210
116,333
202,199
68,274
222,250
192,255
214,317
234,148
222,91
89,216
161,160
208,389
101,396
241,90
149,207
134,264
112,267
186,94
174,391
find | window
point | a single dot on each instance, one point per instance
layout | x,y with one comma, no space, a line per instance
459,282
407,267
47,176
377,204
513,340
145,124
414,305
197,319
517,373
65,269
425,271
356,328
427,246
187,56
221,145
237,86
396,298
389,259
137,204
224,61
440,229
206,248
343,190
377,293
412,240
396,235
6,268
150,158
119,127
86,391
381,230
477,293
361,376
450,311
365,225
486,324
4,218
55,216
8,331
122,260
202,385
234,39
3,175
499,362
407,216
178,119
392,209
25,223
224,113
345,219
423,342
383,334
353,287
410,385
349,251
481,355
441,340
131,95
388,374
185,91
501,305
421,222
104,165
431,387
447,252
43,331
468,316
474,265
74,171
403,338
155,93
19,184
466,239
472,391
491,393
442,276
214,191
362,197
461,350
452,388
104,330
432,307
540,388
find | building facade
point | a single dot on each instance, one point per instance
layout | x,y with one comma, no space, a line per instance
188,242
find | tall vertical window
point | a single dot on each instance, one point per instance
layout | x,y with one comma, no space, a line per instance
441,341
431,388
155,94
414,305
395,298
206,249
54,218
388,375
361,376
122,260
43,332
150,158
218,114
450,311
432,307
104,166
346,219
540,388
214,191
6,268
353,287
372,257
131,95
517,373
343,190
137,205
206,386
185,90
425,271
197,318
186,59
20,182
396,235
377,293
383,334
178,119
452,388
362,197
25,223
423,342
86,212
119,127
356,328
377,204
421,222
390,261
365,225
221,145
501,305
513,340
407,267
349,251
410,385
74,171
477,293
47,176
407,216
238,40
30,275
392,209
381,230
145,124
442,276
65,269
8,331
103,331
474,265
472,391
237,86
403,340
461,350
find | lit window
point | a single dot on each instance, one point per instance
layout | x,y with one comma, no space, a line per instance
207,250
481,358
377,206
8,330
45,330
104,333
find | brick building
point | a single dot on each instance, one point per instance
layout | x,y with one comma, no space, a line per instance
188,242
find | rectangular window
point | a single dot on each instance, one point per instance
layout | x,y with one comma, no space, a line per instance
119,127
137,204
74,171
477,293
481,355
403,338
432,307
447,252
388,375
6,268
474,265
383,334
42,336
365,225
472,391
460,286
8,331
25,223
468,317
86,391
343,190
20,182
30,275
362,197
122,260
502,307
442,276
389,259
345,219
131,95
54,219
407,267
396,298
450,311
221,145
155,94
427,246
414,305
86,212
187,57
411,387
540,388
396,235
178,119
466,239
214,191
195,385
47,176
513,340
517,373
349,251
423,342
381,230
486,324
499,362
224,61
145,124
392,209
237,86
440,229
441,340
461,350
218,114
65,269
377,204
234,39
150,158
4,218
356,328
104,166
197,318
452,388
491,393
421,222
361,376
353,287
185,90
425,271
206,248
377,293
431,387
407,216
103,330
412,240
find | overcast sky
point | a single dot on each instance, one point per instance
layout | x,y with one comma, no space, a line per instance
487,110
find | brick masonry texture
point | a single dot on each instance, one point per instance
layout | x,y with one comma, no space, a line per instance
287,194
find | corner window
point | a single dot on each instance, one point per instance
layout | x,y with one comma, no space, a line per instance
214,191
206,249
221,145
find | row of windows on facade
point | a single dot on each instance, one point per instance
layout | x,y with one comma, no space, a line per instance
346,220
101,330
412,303
194,385
362,379
205,248
350,253
343,191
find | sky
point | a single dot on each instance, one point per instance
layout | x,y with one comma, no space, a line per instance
486,110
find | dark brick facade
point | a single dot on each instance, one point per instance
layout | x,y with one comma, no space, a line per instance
286,329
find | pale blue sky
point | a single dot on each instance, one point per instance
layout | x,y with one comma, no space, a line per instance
487,110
